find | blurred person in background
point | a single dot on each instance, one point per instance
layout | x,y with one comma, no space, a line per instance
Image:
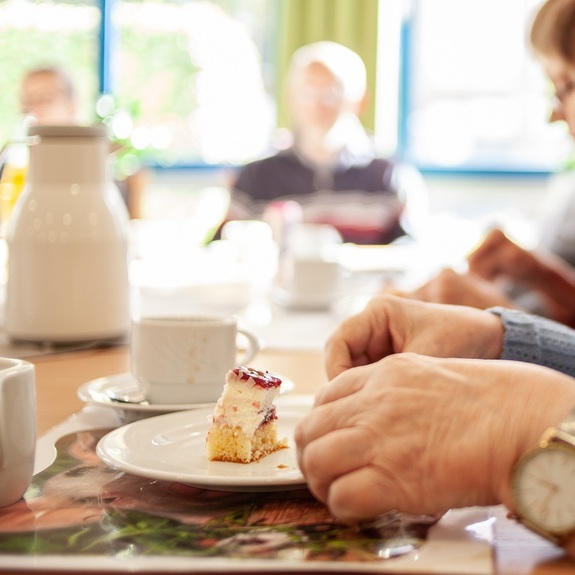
501,272
48,96
331,169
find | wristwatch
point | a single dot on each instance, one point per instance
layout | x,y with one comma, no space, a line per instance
543,484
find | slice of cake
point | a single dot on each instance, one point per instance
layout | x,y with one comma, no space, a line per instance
244,421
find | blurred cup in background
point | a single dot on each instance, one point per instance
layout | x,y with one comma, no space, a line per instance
310,273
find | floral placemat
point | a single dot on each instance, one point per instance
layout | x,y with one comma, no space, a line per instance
79,514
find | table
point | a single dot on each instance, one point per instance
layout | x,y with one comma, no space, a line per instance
58,376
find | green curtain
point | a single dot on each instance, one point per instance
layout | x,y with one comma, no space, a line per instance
349,22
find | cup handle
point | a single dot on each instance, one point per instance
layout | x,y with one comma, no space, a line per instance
252,349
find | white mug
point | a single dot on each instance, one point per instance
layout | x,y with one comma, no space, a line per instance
17,428
312,283
185,359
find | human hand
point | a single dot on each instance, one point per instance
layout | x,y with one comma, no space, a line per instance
468,289
422,435
548,275
391,324
499,256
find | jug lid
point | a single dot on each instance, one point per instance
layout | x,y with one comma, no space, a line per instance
68,130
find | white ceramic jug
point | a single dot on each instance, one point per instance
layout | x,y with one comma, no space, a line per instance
17,428
67,242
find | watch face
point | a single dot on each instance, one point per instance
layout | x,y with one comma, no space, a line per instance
544,488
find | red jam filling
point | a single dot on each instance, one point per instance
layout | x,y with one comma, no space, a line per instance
261,378
271,415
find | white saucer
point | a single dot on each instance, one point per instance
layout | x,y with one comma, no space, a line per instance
99,392
172,448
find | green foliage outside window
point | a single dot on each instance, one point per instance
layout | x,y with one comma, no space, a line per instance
155,78
155,85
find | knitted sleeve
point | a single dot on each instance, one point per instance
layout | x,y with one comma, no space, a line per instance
534,339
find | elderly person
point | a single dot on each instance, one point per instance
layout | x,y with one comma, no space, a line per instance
331,169
432,406
419,416
501,272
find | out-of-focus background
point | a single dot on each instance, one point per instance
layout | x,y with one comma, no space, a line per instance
193,88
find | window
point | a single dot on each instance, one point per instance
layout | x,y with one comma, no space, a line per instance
38,33
191,76
193,81
475,98
190,80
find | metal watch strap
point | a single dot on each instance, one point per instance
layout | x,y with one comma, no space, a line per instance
568,424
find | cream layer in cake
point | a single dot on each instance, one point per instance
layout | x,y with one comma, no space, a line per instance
244,425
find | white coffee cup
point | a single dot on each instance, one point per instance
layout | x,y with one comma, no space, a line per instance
184,359
311,282
17,428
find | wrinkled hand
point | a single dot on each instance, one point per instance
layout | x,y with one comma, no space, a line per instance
423,435
498,256
391,324
469,289
551,277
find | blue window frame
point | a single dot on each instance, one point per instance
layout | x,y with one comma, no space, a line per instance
106,44
184,95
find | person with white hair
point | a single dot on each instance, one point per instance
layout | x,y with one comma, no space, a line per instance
331,169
